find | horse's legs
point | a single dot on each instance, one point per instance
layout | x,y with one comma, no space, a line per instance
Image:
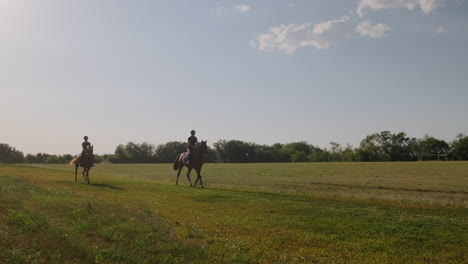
199,178
83,173
76,170
87,175
188,176
178,174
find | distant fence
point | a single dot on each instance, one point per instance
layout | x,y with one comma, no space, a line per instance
423,157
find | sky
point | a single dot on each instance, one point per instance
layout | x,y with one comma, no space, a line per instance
258,71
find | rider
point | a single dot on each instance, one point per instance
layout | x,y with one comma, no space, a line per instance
85,146
192,142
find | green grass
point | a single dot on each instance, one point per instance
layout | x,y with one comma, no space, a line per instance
248,213
438,183
45,225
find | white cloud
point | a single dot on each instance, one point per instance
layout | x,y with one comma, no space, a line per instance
223,10
427,6
289,38
242,8
367,29
292,5
440,30
220,11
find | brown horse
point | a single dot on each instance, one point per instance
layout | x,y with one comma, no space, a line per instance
196,163
86,163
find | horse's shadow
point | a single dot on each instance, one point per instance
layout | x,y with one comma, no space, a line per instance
106,186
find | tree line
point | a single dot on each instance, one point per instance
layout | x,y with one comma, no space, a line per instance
382,146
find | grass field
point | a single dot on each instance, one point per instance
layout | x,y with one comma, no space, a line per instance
248,213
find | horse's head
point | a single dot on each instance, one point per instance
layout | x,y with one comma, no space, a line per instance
203,147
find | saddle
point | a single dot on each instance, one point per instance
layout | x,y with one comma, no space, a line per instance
185,158
85,157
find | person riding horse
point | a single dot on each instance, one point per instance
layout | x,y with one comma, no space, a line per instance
198,151
192,143
85,145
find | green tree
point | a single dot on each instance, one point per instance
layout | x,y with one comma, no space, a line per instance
239,151
290,149
134,153
210,156
166,153
220,151
429,147
299,156
41,157
349,154
320,156
30,158
385,146
10,155
460,147
336,152
53,159
265,153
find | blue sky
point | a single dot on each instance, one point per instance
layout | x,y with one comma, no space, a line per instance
259,71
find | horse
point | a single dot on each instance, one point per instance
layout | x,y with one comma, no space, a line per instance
86,163
196,163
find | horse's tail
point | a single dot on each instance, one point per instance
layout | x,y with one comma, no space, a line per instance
73,161
176,163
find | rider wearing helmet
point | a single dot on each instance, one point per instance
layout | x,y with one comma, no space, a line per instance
192,142
85,146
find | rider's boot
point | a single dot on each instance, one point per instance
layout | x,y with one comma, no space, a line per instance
189,158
